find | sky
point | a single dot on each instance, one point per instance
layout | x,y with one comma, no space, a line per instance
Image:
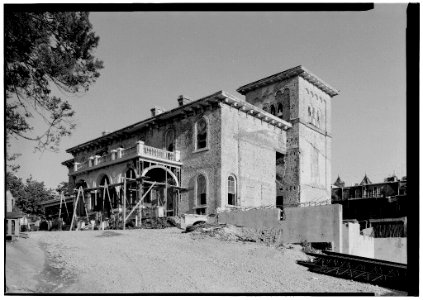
151,58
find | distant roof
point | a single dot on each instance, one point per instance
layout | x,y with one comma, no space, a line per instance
296,71
217,97
365,180
339,182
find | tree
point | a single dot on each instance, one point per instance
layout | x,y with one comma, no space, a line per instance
46,50
30,194
63,187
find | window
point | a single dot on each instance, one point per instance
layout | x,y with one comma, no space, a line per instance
279,108
201,190
170,140
231,191
272,110
201,134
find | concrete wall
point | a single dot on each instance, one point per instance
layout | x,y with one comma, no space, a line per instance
249,148
356,244
311,224
392,249
253,218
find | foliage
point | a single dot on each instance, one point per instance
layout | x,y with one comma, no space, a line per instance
44,50
29,194
63,187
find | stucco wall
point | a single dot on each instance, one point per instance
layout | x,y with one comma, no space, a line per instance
249,148
311,224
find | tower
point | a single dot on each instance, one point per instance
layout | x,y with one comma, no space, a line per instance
296,95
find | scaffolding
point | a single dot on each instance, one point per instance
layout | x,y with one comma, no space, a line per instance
143,189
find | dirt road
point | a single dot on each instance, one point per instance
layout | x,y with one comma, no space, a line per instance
157,261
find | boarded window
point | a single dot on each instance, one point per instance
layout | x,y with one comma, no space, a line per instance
231,190
201,190
201,134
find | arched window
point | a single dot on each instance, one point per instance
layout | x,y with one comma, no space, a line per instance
201,134
280,109
170,140
272,110
231,190
201,190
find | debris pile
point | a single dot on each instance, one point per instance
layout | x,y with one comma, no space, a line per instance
229,232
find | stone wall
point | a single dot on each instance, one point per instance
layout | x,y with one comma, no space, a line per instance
206,162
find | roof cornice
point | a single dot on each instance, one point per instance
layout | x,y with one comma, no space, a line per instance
296,71
218,97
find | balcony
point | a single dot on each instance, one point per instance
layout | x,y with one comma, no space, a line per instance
122,154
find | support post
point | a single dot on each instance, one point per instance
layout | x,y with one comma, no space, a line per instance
124,203
139,202
60,206
74,210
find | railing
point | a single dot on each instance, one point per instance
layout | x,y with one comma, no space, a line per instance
83,165
129,151
139,149
159,153
104,159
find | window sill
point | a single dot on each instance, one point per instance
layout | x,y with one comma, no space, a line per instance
200,206
201,150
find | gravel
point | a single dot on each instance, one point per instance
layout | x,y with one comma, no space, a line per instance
161,261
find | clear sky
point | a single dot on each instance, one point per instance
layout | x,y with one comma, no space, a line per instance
152,57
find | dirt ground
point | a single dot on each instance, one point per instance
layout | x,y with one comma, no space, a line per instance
160,261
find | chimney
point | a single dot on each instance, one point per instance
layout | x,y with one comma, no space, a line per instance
183,100
105,133
156,111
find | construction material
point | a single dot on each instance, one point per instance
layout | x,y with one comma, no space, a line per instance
358,268
139,202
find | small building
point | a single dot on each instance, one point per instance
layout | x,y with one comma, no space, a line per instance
13,215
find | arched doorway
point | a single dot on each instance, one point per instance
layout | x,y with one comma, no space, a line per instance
165,192
104,196
80,208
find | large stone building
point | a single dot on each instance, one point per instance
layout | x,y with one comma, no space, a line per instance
271,149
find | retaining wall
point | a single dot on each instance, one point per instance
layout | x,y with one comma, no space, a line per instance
392,249
311,224
356,244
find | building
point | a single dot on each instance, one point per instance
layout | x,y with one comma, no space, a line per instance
382,206
271,149
12,217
